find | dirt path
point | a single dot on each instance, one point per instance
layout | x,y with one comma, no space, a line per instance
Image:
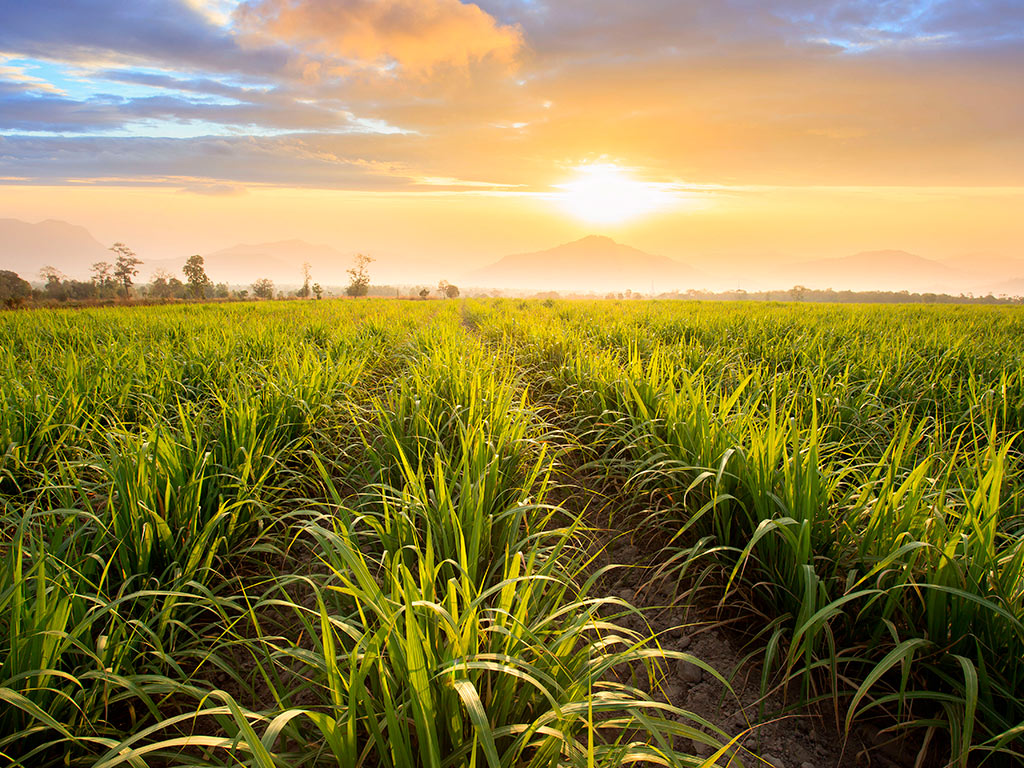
686,618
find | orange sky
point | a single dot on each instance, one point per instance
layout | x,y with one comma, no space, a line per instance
759,130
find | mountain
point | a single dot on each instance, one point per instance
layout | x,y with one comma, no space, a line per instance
987,267
1013,287
991,273
872,271
594,263
26,248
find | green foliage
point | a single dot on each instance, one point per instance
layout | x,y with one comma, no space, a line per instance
126,265
195,276
263,288
329,533
13,290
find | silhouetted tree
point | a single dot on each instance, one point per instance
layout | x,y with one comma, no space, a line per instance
53,279
318,290
424,292
303,292
125,265
195,275
263,288
360,278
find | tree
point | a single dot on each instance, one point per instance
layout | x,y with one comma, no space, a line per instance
263,288
304,290
318,290
101,277
13,290
53,277
360,284
125,265
450,291
195,274
424,292
160,286
797,292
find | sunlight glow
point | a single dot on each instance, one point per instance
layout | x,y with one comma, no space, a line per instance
605,194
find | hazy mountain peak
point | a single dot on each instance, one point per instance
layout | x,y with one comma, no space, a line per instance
25,248
594,240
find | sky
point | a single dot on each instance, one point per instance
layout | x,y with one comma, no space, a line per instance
726,130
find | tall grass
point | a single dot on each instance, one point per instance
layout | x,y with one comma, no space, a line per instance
326,532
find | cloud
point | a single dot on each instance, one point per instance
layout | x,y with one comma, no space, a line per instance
212,188
416,35
735,92
731,26
14,75
22,111
301,161
170,32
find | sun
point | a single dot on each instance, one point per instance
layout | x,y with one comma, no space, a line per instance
606,194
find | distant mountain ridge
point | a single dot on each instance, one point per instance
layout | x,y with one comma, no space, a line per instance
890,270
896,270
593,263
26,248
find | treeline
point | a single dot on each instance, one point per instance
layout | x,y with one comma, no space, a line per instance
114,281
829,296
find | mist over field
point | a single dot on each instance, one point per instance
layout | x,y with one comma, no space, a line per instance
593,264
